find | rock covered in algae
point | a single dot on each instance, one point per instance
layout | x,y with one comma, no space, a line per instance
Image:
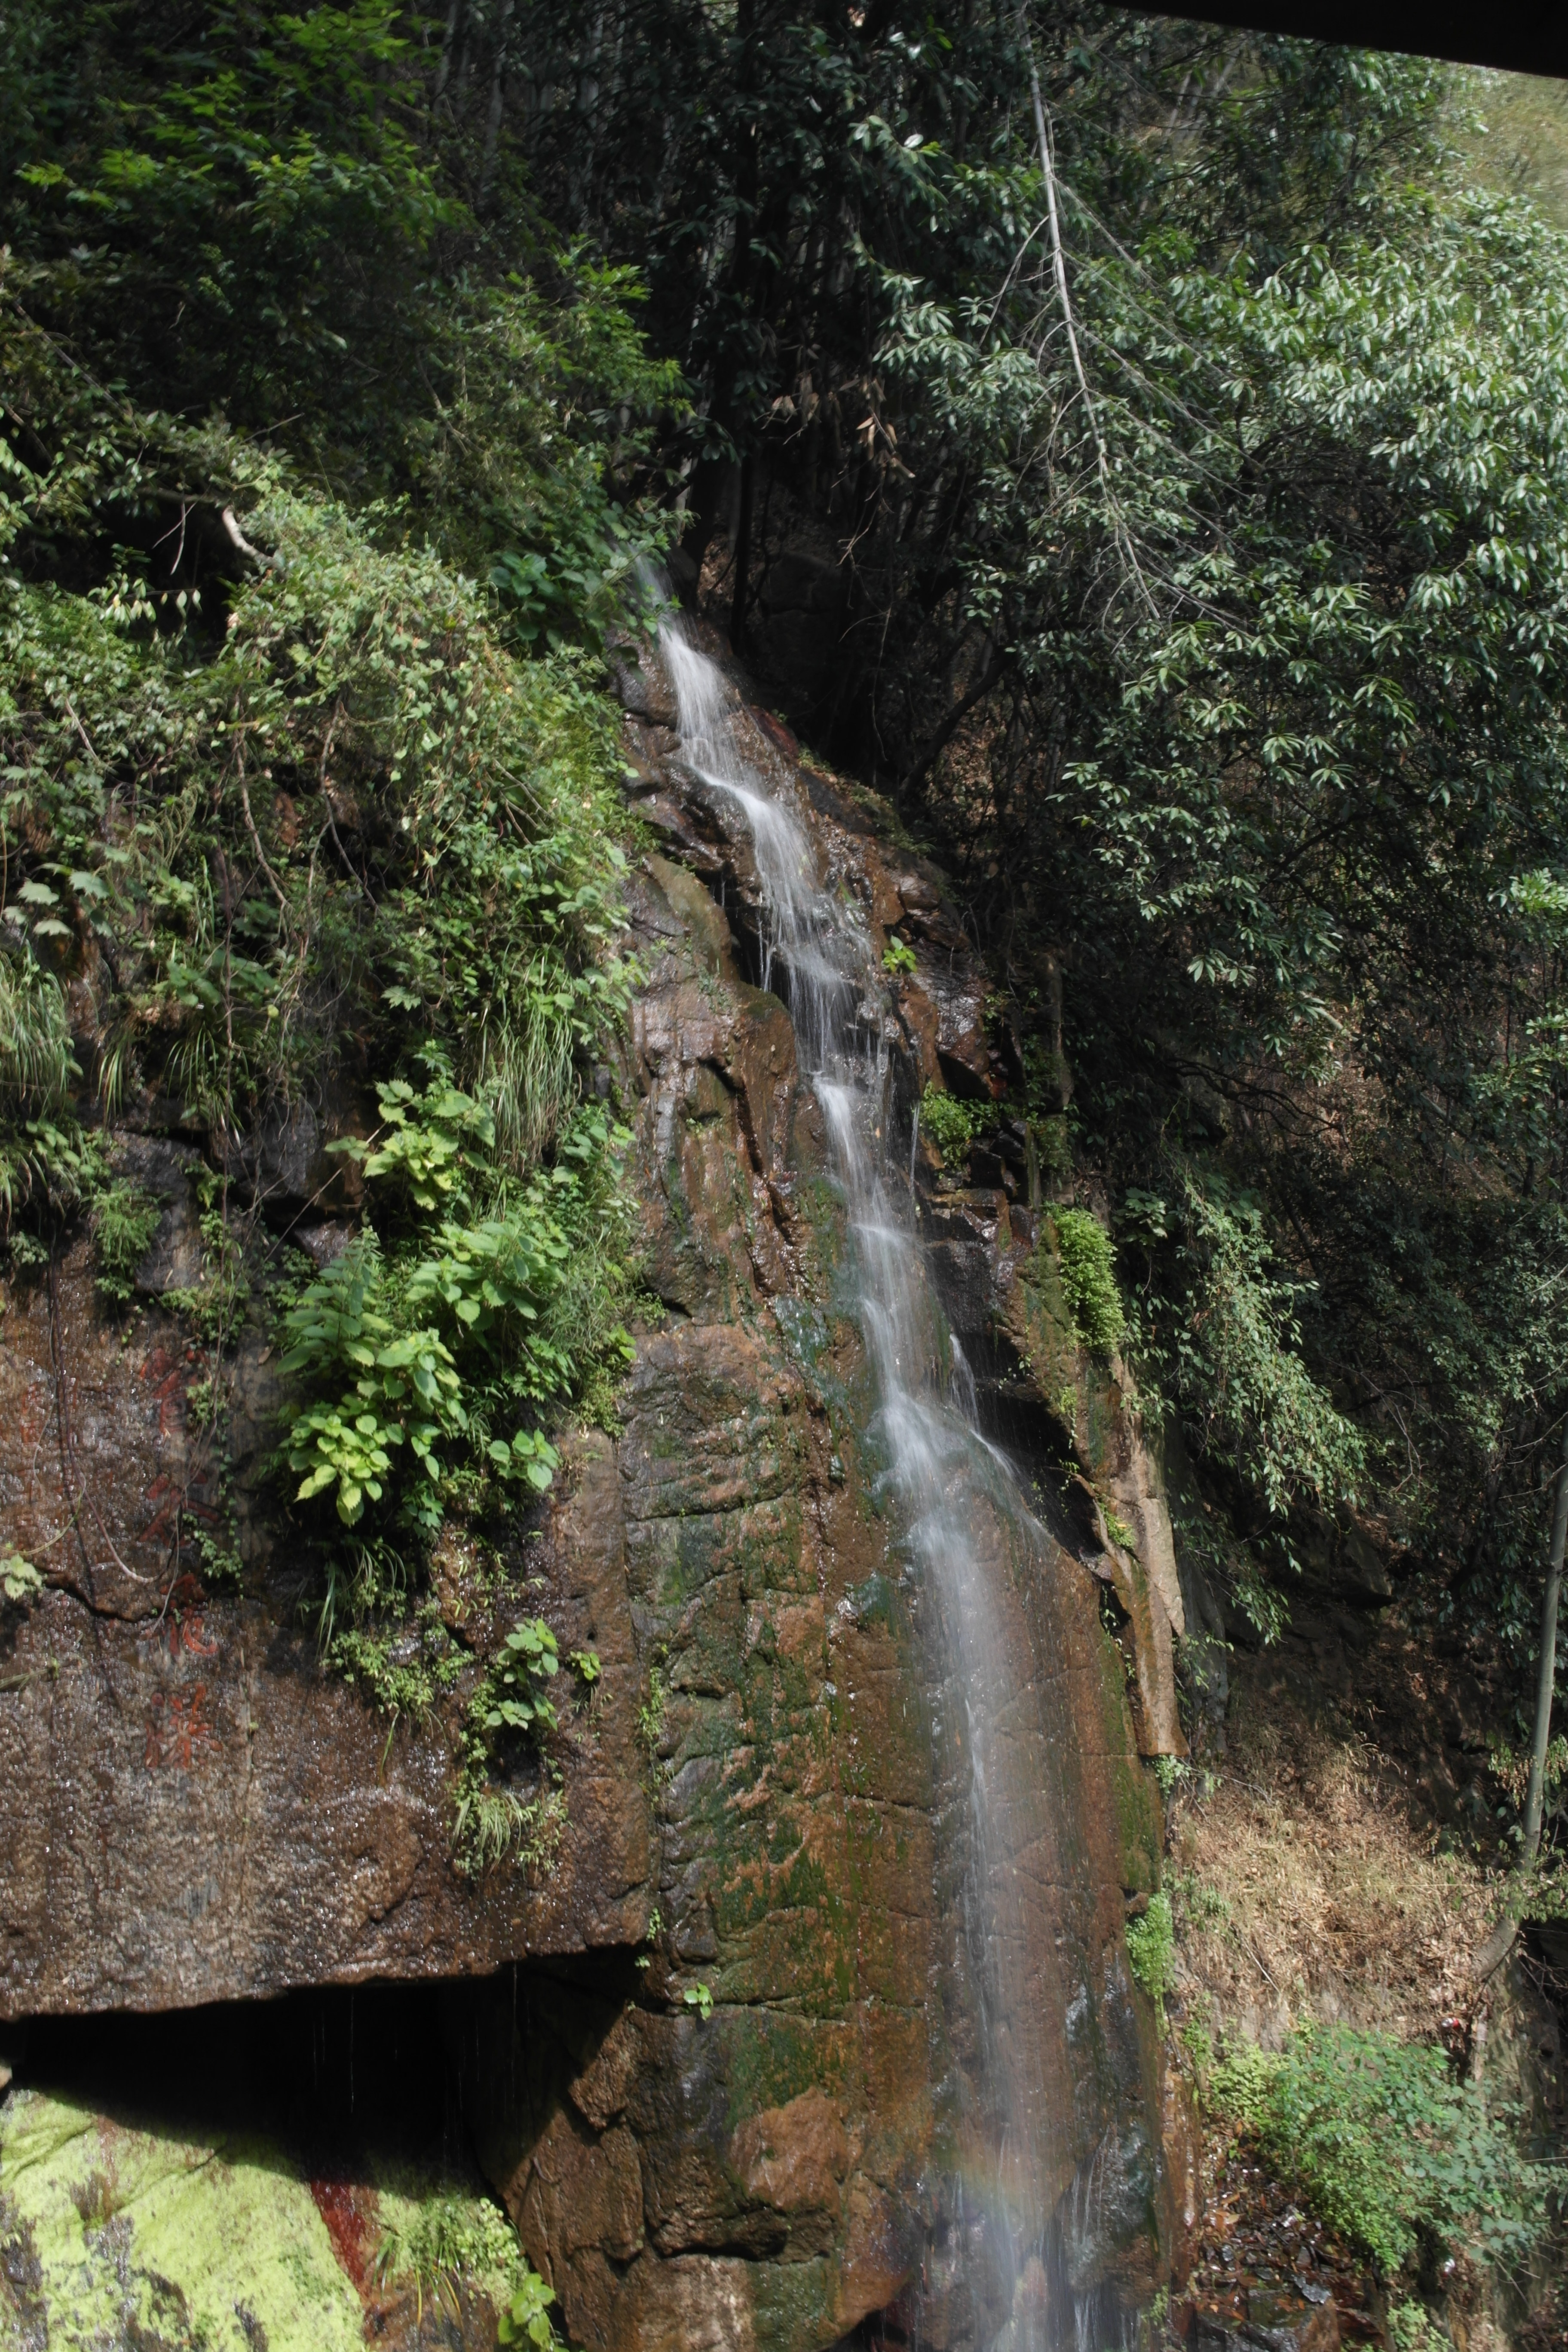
126,2238
115,2236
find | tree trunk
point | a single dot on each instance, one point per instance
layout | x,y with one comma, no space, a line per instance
1532,1804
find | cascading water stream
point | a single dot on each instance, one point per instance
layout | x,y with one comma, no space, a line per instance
966,1518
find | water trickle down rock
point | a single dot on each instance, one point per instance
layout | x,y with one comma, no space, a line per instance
1038,2074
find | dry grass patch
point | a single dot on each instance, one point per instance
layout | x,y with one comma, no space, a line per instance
1304,1888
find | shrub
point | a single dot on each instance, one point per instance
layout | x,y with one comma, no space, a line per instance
1152,1949
445,2241
124,1219
1089,1281
1386,2145
495,1823
526,2319
952,1124
1234,1361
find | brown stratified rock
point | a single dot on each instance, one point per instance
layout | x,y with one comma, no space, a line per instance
794,2156
190,1811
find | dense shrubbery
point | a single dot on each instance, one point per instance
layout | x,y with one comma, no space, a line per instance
1387,2145
1226,1345
321,464
1205,596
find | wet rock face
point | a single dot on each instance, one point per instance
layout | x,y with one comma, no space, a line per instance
995,1263
746,2175
742,2142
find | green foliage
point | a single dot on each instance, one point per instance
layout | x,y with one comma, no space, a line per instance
123,1221
699,1997
650,1713
1411,2328
19,1581
215,1305
493,1822
952,1124
1228,677
427,1351
496,1825
324,467
36,1063
1088,1280
437,1350
397,1687
898,957
1117,1529
650,1938
1197,2042
1203,1906
50,1169
449,2240
275,219
1228,1344
526,2317
219,1564
1151,1950
1290,829
1513,1770
513,1697
1385,2144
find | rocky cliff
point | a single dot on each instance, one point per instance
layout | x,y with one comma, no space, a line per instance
711,2045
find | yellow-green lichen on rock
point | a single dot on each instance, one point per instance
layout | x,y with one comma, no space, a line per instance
115,2236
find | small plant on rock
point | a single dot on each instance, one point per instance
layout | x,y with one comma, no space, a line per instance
123,1221
1152,1949
495,1823
526,2319
650,1715
952,1124
1089,1281
1411,2328
449,2241
19,1581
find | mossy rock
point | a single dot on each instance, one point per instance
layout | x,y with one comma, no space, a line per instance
117,2236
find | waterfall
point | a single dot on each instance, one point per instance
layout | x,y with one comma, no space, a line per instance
966,1528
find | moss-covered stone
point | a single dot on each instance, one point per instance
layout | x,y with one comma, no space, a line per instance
142,2238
